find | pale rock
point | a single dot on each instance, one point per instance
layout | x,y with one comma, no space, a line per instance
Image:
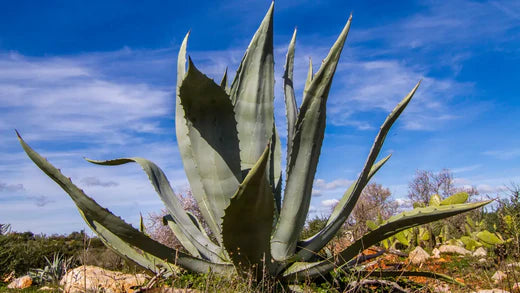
454,249
482,260
20,283
513,265
499,276
96,279
436,253
441,288
480,252
495,290
418,256
46,288
172,290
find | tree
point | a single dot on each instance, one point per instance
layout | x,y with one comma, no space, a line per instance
427,183
373,203
162,233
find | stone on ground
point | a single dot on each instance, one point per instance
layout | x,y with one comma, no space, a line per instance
499,276
418,256
96,279
480,252
454,249
436,253
20,283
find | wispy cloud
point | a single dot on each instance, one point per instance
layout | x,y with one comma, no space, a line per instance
11,187
94,181
40,200
503,154
465,168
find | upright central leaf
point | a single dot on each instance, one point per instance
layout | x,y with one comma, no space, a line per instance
248,221
306,147
213,138
252,93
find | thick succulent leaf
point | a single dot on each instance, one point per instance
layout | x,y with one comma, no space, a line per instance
252,93
291,109
197,223
457,198
142,228
213,138
346,196
119,235
489,238
186,226
310,129
223,82
248,220
177,231
371,225
275,170
188,160
435,200
308,248
327,233
401,237
392,226
308,80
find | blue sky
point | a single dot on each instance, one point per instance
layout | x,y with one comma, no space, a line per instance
97,80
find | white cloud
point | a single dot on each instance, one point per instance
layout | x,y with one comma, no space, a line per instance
322,184
329,203
503,154
404,203
466,168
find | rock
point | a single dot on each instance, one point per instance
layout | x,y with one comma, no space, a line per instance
441,288
173,290
20,283
46,288
513,265
499,276
480,252
436,253
516,287
418,256
492,291
482,260
454,249
96,279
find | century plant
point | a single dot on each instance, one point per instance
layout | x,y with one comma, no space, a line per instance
231,153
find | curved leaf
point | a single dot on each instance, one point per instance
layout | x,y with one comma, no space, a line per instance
435,200
252,93
310,128
308,80
119,235
327,233
309,247
291,108
177,231
188,160
392,226
248,220
185,225
213,138
457,198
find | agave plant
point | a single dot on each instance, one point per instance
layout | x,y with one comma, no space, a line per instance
232,157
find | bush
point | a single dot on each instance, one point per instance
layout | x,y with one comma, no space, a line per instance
23,252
